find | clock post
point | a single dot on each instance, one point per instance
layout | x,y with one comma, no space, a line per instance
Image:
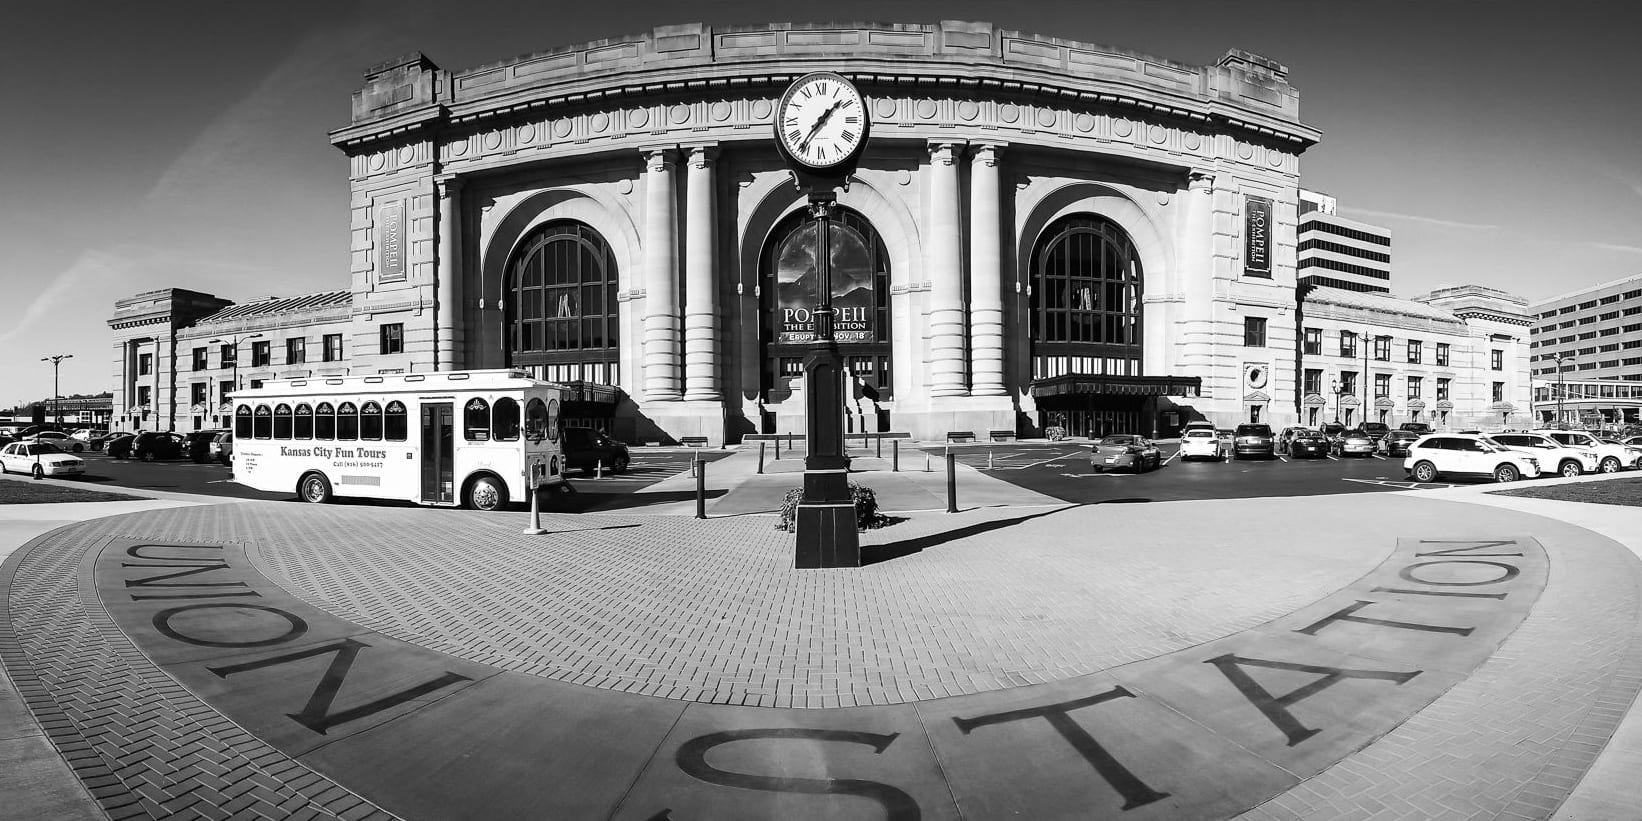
821,127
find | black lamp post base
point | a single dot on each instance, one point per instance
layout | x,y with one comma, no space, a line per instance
826,535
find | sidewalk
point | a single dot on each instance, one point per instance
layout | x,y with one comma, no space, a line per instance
663,626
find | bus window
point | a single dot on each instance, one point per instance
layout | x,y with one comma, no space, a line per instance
536,428
370,421
282,421
347,421
242,422
476,420
304,428
324,421
397,423
504,420
263,423
553,420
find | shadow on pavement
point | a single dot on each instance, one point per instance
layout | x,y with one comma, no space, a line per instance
871,554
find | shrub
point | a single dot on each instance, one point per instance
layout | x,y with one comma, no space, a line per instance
866,508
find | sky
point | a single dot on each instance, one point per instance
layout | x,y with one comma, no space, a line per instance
184,144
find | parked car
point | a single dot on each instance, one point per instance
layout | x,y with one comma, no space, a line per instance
1420,428
153,445
1610,458
1445,454
1396,442
1125,450
100,441
1333,429
1199,443
119,445
39,459
1354,442
222,448
1554,457
62,440
1252,439
585,448
1634,448
1309,444
1375,430
1288,435
199,444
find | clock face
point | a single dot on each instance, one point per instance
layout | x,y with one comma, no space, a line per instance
821,120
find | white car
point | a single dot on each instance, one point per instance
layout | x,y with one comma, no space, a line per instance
1443,454
1199,443
61,440
1554,457
1610,458
39,459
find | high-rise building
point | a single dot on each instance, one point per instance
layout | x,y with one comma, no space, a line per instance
1335,252
1587,354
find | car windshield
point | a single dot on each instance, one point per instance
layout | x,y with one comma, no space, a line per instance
41,449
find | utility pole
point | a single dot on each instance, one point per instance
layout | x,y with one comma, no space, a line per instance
56,395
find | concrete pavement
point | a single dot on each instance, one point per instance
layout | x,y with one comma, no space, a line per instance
1432,654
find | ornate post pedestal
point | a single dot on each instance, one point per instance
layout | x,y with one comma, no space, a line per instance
825,519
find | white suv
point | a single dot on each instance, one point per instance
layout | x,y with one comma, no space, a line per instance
1554,457
1610,458
1458,453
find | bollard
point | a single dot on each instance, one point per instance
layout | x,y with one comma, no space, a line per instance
926,461
895,455
988,458
701,488
535,528
761,458
778,447
878,447
598,469
951,482
693,462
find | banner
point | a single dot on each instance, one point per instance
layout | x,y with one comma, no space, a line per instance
1257,237
853,297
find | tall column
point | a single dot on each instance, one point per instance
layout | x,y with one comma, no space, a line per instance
701,355
985,273
946,299
448,303
661,323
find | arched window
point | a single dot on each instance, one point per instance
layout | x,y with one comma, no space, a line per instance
262,422
537,425
1085,299
860,299
242,422
282,421
504,420
561,306
324,421
370,421
347,421
396,424
476,420
304,428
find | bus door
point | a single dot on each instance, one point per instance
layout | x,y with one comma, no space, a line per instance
438,453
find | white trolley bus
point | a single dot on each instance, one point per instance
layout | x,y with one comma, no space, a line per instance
445,438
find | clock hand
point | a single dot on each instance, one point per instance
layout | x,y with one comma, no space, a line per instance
819,121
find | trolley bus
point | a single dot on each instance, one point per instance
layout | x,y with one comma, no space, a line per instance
446,438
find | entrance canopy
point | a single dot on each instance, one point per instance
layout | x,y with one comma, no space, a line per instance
1080,384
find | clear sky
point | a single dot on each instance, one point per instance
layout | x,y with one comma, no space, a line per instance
158,144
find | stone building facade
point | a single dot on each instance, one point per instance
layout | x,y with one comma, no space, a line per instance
1040,232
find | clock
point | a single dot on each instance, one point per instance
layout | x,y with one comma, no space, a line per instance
821,122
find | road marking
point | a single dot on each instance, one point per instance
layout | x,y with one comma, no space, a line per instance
1333,458
1403,485
1283,459
1086,475
1050,459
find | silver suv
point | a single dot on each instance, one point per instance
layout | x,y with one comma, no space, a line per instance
1610,458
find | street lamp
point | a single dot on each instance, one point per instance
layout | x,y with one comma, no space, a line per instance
56,405
233,340
1561,390
1367,340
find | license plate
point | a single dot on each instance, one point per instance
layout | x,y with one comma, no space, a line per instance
1111,459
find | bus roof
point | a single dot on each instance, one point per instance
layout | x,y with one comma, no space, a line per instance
496,379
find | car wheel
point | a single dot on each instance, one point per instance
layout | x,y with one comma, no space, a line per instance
1097,468
1609,465
314,488
619,464
1424,472
1506,473
1569,470
79,448
39,472
147,456
486,493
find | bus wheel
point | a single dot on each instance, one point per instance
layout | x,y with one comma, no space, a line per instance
314,488
486,493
